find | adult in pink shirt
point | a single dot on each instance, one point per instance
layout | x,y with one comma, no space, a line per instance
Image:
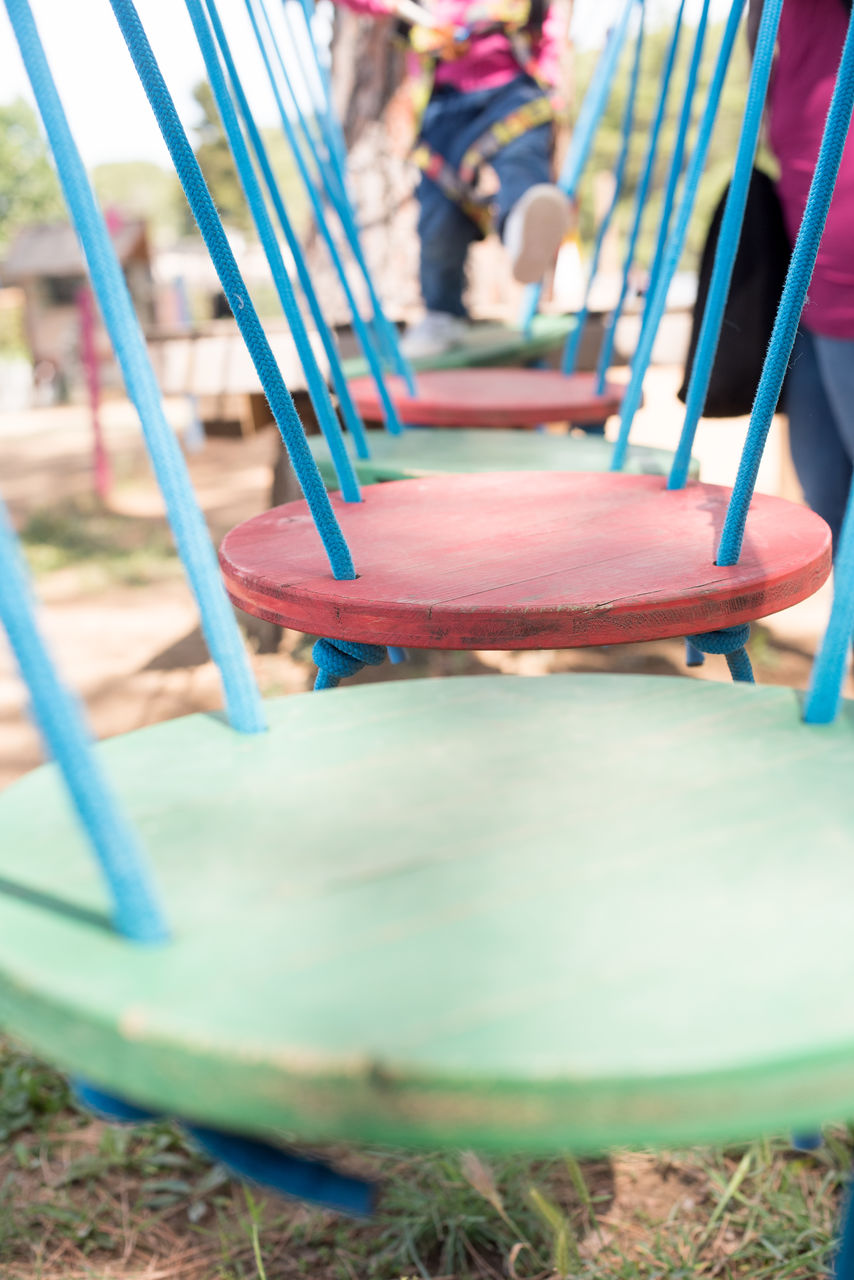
820,384
472,92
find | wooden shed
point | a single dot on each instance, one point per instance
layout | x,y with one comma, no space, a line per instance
46,263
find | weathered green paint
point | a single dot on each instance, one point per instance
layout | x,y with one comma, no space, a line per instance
571,912
434,451
496,345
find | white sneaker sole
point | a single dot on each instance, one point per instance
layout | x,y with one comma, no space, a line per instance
544,215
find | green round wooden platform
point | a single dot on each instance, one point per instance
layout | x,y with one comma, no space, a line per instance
564,913
436,451
491,344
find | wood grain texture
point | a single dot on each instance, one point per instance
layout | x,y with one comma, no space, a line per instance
568,913
525,560
491,345
486,398
437,451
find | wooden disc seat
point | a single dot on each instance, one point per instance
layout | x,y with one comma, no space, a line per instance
441,450
489,398
525,560
491,344
458,913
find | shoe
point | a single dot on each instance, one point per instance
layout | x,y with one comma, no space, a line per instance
534,230
436,333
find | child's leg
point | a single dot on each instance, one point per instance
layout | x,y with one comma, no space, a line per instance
532,214
445,234
523,163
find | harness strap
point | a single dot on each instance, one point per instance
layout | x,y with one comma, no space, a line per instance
449,182
459,184
529,116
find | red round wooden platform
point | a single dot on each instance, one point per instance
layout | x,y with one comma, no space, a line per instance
492,398
525,561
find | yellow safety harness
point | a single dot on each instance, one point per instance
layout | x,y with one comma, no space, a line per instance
521,21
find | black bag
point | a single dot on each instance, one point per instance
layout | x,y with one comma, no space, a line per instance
759,273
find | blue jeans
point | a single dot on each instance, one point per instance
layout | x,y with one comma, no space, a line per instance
820,406
452,122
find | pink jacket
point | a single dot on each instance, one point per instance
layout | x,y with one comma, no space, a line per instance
810,41
489,63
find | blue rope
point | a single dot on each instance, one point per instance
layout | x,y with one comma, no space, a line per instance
234,288
676,242
249,1158
584,134
242,699
694,657
831,662
318,391
607,349
678,158
334,156
791,302
336,659
843,1266
136,910
342,389
573,338
317,388
335,185
731,642
366,341
728,240
325,81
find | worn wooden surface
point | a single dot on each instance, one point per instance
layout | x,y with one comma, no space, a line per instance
556,914
491,345
436,451
525,560
492,398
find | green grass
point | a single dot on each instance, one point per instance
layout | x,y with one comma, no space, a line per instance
107,549
83,1199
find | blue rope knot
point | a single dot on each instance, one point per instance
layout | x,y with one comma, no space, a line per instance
730,641
336,659
249,1158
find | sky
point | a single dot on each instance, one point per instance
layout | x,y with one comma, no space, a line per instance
107,110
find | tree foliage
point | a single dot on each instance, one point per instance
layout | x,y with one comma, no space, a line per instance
217,165
142,189
29,188
722,150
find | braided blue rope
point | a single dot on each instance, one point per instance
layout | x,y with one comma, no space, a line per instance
831,661
363,334
136,910
335,185
336,659
730,234
843,1264
249,1158
731,642
348,408
332,154
573,338
234,288
584,133
791,302
243,702
318,391
324,75
678,159
676,241
606,351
